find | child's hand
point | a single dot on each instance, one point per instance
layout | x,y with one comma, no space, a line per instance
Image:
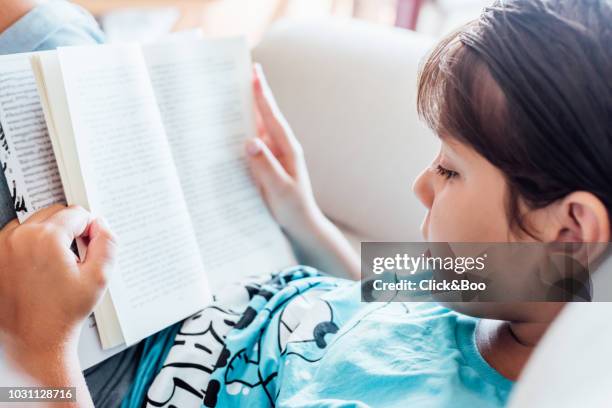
277,163
45,291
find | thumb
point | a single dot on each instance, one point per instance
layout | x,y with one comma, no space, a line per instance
100,257
266,169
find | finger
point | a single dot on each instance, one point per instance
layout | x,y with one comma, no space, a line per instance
44,214
97,267
266,169
261,127
71,222
262,133
271,116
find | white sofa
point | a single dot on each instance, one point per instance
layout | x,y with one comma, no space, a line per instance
348,90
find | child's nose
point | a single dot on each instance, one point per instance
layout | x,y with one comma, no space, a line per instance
423,188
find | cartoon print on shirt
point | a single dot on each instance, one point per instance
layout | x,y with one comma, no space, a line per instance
200,347
304,317
307,318
192,358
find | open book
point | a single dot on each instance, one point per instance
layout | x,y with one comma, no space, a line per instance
152,139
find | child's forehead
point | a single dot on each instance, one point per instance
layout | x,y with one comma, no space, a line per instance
453,146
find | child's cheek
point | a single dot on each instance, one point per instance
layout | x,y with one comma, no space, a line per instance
461,216
448,218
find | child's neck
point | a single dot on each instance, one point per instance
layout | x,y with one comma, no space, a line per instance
507,346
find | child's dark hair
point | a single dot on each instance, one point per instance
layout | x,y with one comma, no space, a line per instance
528,85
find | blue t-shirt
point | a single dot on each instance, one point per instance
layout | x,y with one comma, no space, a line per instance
308,341
46,27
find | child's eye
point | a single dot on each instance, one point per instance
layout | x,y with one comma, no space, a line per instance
446,173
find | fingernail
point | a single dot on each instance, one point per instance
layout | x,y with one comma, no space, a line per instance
253,147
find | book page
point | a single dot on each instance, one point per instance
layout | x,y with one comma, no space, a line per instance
26,155
28,162
204,94
129,177
47,71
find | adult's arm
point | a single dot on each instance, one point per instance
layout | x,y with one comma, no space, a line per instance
37,25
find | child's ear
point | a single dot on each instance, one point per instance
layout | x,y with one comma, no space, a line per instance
582,217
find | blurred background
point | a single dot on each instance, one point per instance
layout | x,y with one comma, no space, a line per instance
147,20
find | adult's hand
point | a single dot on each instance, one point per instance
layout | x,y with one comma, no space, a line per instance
46,292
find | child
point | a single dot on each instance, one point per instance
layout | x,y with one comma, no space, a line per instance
521,99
